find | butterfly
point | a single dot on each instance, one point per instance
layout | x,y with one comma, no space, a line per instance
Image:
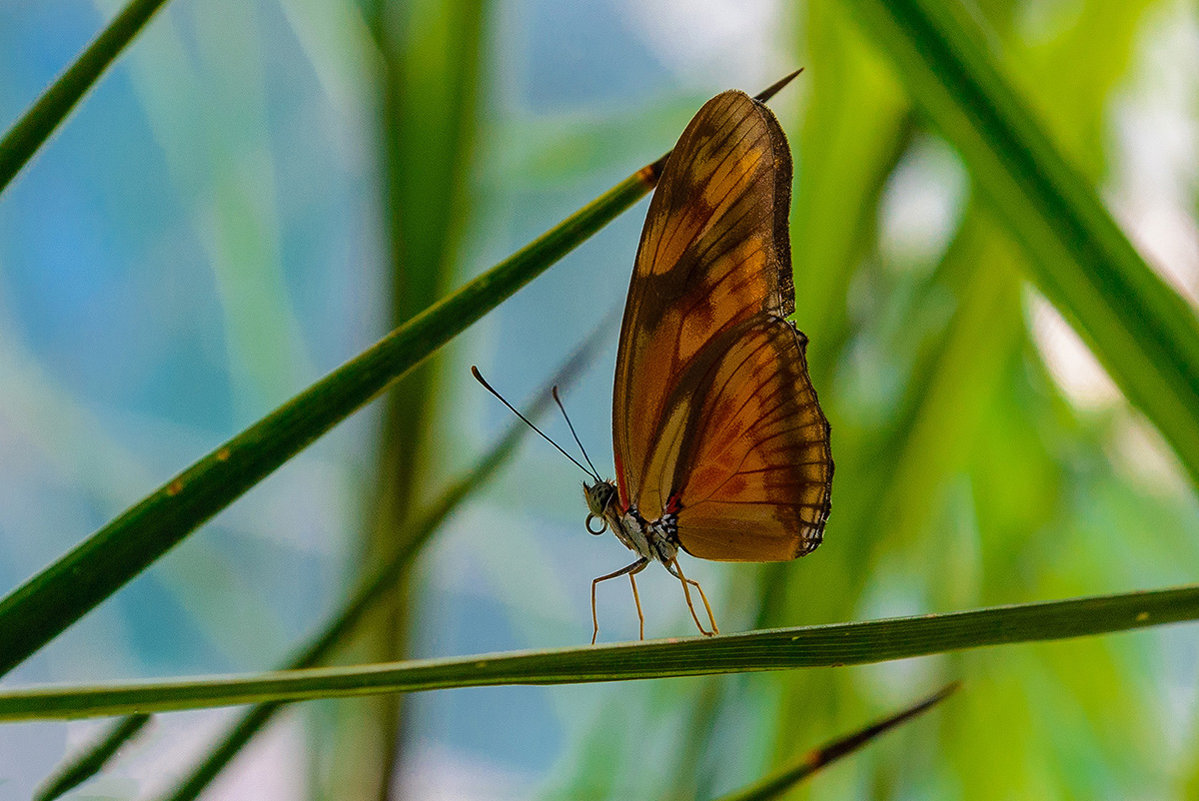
721,447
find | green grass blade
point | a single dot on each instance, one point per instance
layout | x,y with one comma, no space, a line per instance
427,87
365,597
39,121
370,590
1142,331
374,587
856,124
833,645
778,783
78,770
49,602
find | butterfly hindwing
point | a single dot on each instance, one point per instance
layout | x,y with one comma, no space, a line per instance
713,411
758,471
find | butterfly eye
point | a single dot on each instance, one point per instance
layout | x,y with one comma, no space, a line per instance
603,525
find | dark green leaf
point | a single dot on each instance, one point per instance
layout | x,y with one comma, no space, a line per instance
775,785
1142,331
45,605
36,125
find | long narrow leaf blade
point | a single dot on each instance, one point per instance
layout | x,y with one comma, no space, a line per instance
45,605
36,125
1142,331
77,771
365,597
775,785
813,646
373,588
48,603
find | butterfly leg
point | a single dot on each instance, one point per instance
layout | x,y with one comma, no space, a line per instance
637,600
676,570
630,571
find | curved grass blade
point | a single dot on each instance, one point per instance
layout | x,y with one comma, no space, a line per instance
45,605
832,645
373,588
775,785
370,590
86,765
38,122
1143,332
48,603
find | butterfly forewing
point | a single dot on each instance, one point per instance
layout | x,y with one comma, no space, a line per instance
713,411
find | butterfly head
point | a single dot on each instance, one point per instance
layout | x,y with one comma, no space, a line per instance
601,500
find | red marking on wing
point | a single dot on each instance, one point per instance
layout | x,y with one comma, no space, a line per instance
621,487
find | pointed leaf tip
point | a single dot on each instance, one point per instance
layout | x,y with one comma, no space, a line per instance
774,88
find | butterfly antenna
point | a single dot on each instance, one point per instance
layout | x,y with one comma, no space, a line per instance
571,426
479,377
770,92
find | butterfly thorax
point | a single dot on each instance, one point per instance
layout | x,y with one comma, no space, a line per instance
652,539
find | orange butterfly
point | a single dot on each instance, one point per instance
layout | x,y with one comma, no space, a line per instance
721,447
